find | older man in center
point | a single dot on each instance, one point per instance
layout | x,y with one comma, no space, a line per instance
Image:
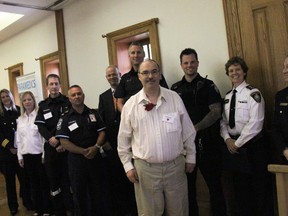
156,146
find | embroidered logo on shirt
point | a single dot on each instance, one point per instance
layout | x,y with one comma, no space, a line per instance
256,96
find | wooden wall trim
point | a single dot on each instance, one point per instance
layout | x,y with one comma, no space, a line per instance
232,28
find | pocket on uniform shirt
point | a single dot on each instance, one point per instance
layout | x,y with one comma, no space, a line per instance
242,112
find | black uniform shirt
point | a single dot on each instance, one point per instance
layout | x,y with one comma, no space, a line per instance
130,85
8,128
197,96
50,110
280,123
81,129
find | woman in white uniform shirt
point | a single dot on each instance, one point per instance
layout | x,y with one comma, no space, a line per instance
241,129
30,148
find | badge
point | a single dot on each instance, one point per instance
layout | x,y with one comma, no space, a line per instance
73,126
169,118
48,115
59,124
92,117
256,96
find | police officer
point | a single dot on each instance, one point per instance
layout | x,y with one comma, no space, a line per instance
203,103
130,83
9,112
47,117
82,133
280,123
241,129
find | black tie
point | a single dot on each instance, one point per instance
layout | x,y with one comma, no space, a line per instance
232,110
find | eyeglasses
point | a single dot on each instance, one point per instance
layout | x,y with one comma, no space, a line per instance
146,73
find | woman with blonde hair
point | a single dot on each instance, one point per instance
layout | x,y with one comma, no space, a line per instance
9,112
30,149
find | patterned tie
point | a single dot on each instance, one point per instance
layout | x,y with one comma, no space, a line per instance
232,110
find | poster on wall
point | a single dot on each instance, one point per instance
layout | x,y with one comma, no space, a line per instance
28,82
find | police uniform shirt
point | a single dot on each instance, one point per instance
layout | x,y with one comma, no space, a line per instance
49,112
249,114
197,96
8,128
81,129
280,123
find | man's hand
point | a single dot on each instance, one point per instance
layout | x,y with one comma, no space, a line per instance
90,152
53,141
189,167
60,148
285,153
132,176
13,150
21,163
232,148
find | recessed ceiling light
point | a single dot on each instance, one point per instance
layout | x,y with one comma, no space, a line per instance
7,19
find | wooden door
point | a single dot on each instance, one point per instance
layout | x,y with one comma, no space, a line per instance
257,31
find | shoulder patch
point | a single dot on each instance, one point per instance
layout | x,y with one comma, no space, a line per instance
256,96
59,124
250,87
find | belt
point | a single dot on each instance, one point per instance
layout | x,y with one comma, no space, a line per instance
163,163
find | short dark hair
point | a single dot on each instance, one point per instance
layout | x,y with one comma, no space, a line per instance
135,43
236,60
188,51
52,76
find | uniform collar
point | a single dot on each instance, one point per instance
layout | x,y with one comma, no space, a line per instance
197,77
241,86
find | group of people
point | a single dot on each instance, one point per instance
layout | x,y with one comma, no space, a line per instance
139,153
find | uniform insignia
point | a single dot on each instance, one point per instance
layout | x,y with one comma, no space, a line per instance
59,124
283,104
256,96
226,101
229,92
250,87
243,101
92,117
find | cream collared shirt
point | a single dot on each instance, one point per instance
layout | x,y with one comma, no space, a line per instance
158,135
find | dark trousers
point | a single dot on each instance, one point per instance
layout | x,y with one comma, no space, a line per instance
122,190
57,171
209,163
39,185
252,186
11,168
90,185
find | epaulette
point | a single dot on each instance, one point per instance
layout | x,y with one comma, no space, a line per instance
176,85
250,87
228,92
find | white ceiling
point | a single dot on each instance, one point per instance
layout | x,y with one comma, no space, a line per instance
34,11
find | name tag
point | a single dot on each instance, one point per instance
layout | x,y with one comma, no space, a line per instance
283,104
169,118
73,126
48,115
92,117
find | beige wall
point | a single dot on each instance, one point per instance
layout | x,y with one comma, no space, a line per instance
182,23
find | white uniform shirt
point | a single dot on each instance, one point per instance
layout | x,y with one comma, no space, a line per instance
28,138
158,135
249,114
